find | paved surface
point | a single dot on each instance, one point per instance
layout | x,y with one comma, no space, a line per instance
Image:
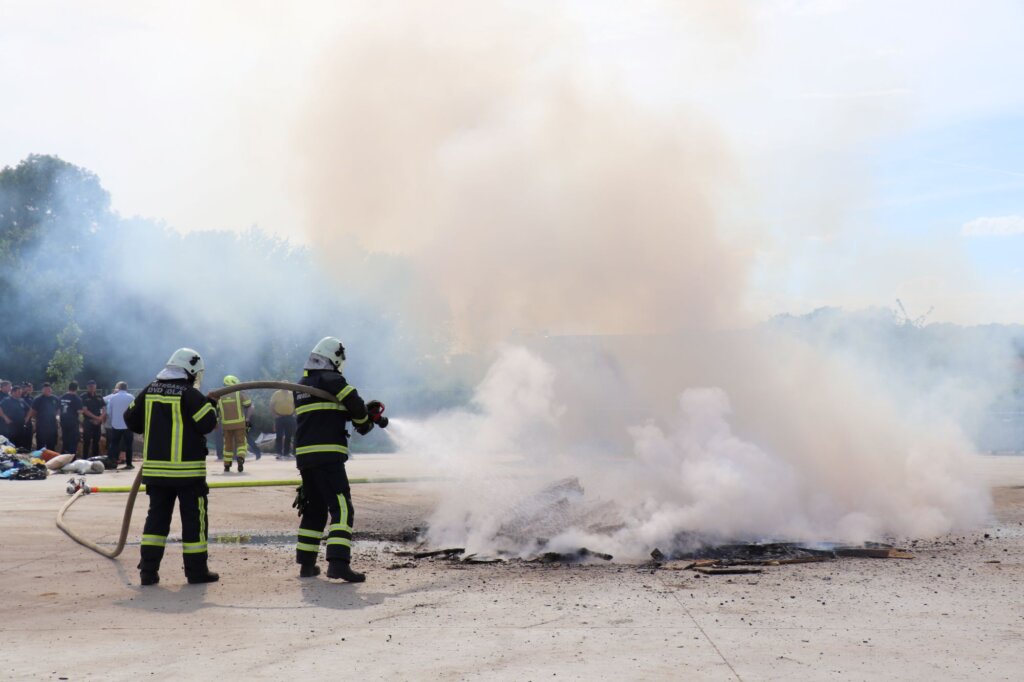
951,613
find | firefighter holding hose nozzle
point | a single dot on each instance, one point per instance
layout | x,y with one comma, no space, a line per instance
321,449
174,418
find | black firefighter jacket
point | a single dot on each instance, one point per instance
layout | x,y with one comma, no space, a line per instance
321,437
174,418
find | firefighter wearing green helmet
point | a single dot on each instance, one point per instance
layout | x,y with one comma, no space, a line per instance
235,411
174,418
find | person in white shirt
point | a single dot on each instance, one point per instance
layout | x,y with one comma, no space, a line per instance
121,437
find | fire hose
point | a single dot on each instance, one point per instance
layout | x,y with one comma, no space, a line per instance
136,485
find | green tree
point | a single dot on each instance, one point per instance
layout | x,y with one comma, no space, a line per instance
45,195
51,214
67,361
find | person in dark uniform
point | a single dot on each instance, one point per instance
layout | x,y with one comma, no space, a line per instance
174,418
26,397
321,449
70,419
44,410
5,393
12,415
93,413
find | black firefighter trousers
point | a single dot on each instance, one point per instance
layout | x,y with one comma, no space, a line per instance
192,504
327,491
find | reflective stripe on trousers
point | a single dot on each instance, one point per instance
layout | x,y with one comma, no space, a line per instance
327,489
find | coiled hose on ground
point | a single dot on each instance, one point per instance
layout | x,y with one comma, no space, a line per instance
134,490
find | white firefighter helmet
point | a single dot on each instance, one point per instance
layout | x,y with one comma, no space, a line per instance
188,360
330,349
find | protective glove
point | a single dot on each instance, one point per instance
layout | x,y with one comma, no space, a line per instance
301,501
375,410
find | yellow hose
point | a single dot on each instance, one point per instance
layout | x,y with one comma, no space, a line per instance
270,484
135,488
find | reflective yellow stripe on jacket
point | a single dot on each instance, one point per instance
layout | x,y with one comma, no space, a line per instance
312,407
326,447
175,450
231,410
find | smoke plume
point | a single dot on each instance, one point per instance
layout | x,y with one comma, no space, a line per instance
471,141
539,200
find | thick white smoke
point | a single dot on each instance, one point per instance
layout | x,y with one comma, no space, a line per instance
533,193
848,473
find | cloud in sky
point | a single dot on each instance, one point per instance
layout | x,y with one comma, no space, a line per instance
1001,226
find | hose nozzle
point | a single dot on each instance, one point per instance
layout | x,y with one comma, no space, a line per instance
76,484
375,409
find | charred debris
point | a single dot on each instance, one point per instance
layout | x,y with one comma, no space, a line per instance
562,505
723,559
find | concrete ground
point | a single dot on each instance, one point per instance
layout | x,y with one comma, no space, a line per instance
954,612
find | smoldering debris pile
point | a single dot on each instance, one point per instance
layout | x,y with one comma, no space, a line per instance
458,554
751,558
551,511
528,524
713,560
534,520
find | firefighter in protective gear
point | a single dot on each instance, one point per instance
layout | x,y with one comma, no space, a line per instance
235,412
321,448
174,418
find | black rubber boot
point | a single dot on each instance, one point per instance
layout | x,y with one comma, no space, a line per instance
340,568
198,578
227,466
309,571
241,465
149,577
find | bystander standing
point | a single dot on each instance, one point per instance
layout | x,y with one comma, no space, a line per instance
93,413
44,410
26,397
121,437
70,419
12,416
5,393
282,404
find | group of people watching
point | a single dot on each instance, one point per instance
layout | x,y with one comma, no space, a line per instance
75,422
63,423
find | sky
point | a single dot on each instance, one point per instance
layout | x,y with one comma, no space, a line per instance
875,148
